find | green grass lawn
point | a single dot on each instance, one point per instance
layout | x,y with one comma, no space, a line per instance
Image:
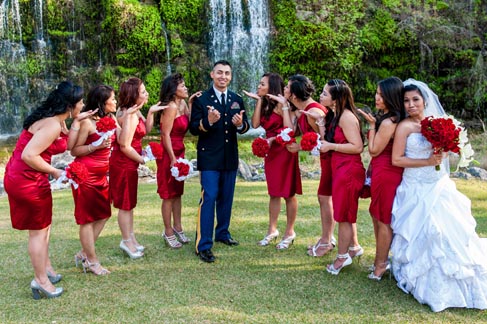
247,284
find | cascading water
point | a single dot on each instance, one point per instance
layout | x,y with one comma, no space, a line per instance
240,34
168,49
13,78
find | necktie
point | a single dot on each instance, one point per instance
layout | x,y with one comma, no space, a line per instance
223,98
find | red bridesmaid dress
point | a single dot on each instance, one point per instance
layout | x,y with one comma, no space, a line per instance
29,191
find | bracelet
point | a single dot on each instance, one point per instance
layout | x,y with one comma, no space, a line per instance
89,148
320,122
74,129
336,147
284,108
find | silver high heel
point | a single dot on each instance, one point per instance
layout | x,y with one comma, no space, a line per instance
132,255
95,268
138,247
54,279
285,242
331,267
79,258
37,289
181,236
172,241
268,239
359,251
372,275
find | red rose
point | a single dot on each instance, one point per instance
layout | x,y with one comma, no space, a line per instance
77,172
309,141
260,147
285,136
105,124
183,168
156,149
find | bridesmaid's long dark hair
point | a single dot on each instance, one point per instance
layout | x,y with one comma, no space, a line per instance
97,97
392,94
276,87
64,97
168,90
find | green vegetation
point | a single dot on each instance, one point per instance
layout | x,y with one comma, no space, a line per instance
247,284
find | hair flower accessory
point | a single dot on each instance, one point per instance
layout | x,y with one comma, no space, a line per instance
260,147
310,141
105,127
153,151
181,169
285,136
75,173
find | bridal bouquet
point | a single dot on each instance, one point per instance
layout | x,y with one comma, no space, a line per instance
105,127
260,147
285,136
446,135
76,173
153,151
311,142
181,169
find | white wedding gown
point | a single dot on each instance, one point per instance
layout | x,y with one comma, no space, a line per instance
436,254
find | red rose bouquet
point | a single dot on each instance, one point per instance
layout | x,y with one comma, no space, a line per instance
310,141
260,147
181,169
153,151
285,136
105,127
76,173
442,133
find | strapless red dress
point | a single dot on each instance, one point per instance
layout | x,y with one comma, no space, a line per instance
347,181
123,176
167,186
385,179
281,167
29,191
92,198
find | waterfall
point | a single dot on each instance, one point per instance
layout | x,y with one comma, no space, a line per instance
168,49
240,34
13,76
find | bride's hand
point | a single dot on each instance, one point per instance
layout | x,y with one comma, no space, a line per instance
435,159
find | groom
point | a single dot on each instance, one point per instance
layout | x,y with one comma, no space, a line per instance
216,118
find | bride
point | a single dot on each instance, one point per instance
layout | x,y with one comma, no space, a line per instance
436,254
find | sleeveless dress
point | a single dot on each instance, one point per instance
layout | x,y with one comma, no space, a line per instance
92,198
281,167
437,255
347,181
29,191
324,188
167,186
384,181
123,176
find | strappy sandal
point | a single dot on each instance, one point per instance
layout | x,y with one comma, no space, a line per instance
79,258
268,239
355,251
181,236
320,249
172,241
94,268
285,242
335,271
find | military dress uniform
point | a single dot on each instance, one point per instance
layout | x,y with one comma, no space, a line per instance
217,161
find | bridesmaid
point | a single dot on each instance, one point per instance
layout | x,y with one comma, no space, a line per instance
344,139
385,177
311,118
281,167
27,184
125,159
174,123
91,198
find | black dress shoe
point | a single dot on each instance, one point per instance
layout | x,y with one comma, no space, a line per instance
229,241
206,256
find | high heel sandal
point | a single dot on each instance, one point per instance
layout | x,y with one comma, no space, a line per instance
138,247
314,250
79,258
172,241
95,268
331,267
357,251
132,255
54,279
268,238
37,290
285,242
372,275
181,236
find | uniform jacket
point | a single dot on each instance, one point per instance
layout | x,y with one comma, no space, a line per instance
217,144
